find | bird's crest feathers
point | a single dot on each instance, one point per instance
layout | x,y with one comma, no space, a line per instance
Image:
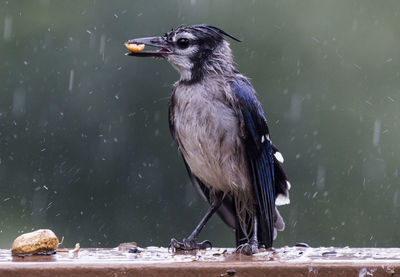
204,28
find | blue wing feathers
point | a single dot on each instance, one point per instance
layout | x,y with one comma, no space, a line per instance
259,158
268,205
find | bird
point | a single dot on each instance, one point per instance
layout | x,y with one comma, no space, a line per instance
223,137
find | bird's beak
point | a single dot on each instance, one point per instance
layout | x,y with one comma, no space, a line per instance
158,42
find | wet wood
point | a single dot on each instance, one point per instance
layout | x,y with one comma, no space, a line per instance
154,261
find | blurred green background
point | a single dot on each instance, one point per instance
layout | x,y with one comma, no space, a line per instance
85,148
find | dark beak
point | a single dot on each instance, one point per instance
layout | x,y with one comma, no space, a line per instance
158,42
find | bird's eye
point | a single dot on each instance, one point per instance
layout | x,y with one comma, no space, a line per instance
183,43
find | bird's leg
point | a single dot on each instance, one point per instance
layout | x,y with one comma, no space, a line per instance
250,247
190,242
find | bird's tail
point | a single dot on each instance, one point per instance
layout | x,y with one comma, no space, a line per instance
243,237
269,219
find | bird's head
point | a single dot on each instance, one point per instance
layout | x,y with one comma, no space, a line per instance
193,50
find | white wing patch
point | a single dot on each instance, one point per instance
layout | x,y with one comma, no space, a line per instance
288,185
279,157
282,200
264,138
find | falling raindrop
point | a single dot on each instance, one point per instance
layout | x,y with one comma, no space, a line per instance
295,107
71,80
7,27
102,45
19,99
321,172
377,133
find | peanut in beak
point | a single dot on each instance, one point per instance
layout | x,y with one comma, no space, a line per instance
135,48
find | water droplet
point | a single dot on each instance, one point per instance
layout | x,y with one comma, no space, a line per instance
7,27
71,80
377,133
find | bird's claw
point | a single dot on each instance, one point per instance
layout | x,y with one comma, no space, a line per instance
189,244
247,248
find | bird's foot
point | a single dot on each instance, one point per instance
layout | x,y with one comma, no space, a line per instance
249,248
189,244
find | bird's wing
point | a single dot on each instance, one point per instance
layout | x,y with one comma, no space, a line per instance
260,158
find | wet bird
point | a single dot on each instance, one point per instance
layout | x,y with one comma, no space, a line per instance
222,134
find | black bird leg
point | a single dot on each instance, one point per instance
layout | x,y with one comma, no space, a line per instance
190,242
250,247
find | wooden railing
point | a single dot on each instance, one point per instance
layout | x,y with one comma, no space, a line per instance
154,261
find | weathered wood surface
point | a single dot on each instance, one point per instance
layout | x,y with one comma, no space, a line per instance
154,261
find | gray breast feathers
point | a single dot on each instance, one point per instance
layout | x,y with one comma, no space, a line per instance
207,131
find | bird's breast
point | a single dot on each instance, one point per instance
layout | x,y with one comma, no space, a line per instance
207,131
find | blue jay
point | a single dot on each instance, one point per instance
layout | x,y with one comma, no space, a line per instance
222,134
